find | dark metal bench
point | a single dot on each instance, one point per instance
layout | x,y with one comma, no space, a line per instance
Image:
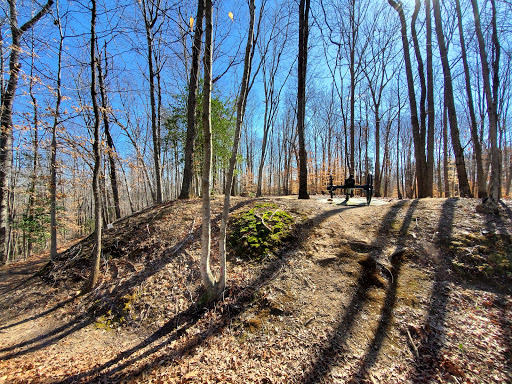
368,188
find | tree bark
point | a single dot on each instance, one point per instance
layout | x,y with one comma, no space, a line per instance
491,101
188,170
110,142
206,272
301,96
421,73
430,103
150,13
445,149
240,112
464,189
482,191
95,268
6,117
419,149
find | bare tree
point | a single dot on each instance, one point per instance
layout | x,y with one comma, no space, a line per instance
6,113
482,192
464,189
301,96
95,268
151,12
192,103
206,272
110,142
53,145
419,149
378,75
491,98
430,102
270,66
240,113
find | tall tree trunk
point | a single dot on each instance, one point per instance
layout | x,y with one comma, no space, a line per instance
430,103
464,189
110,142
445,150
188,170
240,112
95,268
35,141
150,11
6,117
419,149
53,146
206,272
301,96
482,191
421,73
491,101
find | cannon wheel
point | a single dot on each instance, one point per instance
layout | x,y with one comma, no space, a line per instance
369,190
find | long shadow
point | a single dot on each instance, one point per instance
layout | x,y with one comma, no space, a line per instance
47,339
42,314
427,362
23,270
112,370
78,323
390,301
329,353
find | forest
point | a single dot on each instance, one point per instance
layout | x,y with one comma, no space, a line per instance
167,209
415,93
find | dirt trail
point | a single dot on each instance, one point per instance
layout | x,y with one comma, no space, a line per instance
363,294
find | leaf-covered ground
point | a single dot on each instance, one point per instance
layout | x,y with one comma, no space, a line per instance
411,291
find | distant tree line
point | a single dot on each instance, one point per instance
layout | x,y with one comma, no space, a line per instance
103,105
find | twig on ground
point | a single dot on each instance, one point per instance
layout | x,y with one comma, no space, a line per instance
413,345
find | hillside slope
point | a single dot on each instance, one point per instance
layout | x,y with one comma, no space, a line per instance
398,291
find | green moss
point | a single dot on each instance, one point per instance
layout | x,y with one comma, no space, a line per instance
118,315
485,256
259,231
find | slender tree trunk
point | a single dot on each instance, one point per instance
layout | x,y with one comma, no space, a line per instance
206,272
53,147
445,150
240,112
6,118
491,101
110,142
95,270
421,73
430,103
482,191
464,189
419,149
35,141
150,12
188,171
301,96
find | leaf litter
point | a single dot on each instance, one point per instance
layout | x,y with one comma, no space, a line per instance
378,294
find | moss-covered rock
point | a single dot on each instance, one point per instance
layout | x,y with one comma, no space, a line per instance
258,232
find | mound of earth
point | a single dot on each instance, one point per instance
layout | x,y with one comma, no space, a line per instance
398,291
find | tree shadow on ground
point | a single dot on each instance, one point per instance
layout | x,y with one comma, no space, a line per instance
240,300
336,345
57,306
428,361
386,317
82,321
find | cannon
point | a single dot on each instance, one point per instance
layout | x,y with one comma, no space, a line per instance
350,184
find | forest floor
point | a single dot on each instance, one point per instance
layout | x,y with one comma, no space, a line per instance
401,291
